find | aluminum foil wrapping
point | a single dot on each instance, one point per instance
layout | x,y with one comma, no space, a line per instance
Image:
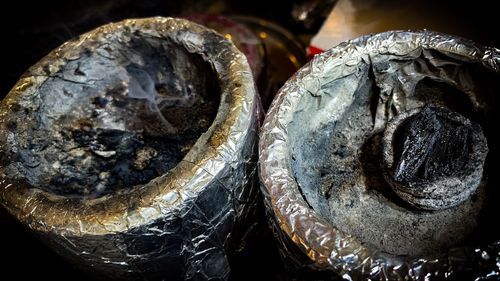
319,93
181,225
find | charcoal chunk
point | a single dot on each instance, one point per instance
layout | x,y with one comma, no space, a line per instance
432,144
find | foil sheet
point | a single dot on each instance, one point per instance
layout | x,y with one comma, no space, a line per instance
181,225
309,241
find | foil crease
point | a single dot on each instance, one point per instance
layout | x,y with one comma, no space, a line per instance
306,239
181,225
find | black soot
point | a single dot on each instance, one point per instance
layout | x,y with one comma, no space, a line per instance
112,117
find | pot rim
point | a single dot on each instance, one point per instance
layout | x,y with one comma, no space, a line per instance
214,150
325,245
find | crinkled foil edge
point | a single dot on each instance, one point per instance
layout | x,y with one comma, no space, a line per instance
302,232
97,234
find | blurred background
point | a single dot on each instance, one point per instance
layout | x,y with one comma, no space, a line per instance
277,36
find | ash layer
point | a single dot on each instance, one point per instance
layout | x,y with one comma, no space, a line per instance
111,117
337,164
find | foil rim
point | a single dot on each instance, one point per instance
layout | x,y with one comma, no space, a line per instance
325,245
213,151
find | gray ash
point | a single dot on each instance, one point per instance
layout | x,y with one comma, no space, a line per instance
115,116
339,158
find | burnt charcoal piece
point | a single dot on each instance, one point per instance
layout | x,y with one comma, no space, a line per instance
434,145
433,157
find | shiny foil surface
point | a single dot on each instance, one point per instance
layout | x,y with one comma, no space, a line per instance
181,225
320,92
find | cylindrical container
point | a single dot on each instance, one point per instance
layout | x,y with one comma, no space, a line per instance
131,150
375,160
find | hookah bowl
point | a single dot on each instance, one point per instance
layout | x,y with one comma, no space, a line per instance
373,160
131,150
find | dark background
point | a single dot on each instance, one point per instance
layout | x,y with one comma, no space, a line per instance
30,29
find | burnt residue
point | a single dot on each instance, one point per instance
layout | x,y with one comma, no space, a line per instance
113,117
433,157
366,235
370,159
338,164
109,135
429,146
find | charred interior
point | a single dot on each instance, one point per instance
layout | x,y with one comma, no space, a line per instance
425,200
111,116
